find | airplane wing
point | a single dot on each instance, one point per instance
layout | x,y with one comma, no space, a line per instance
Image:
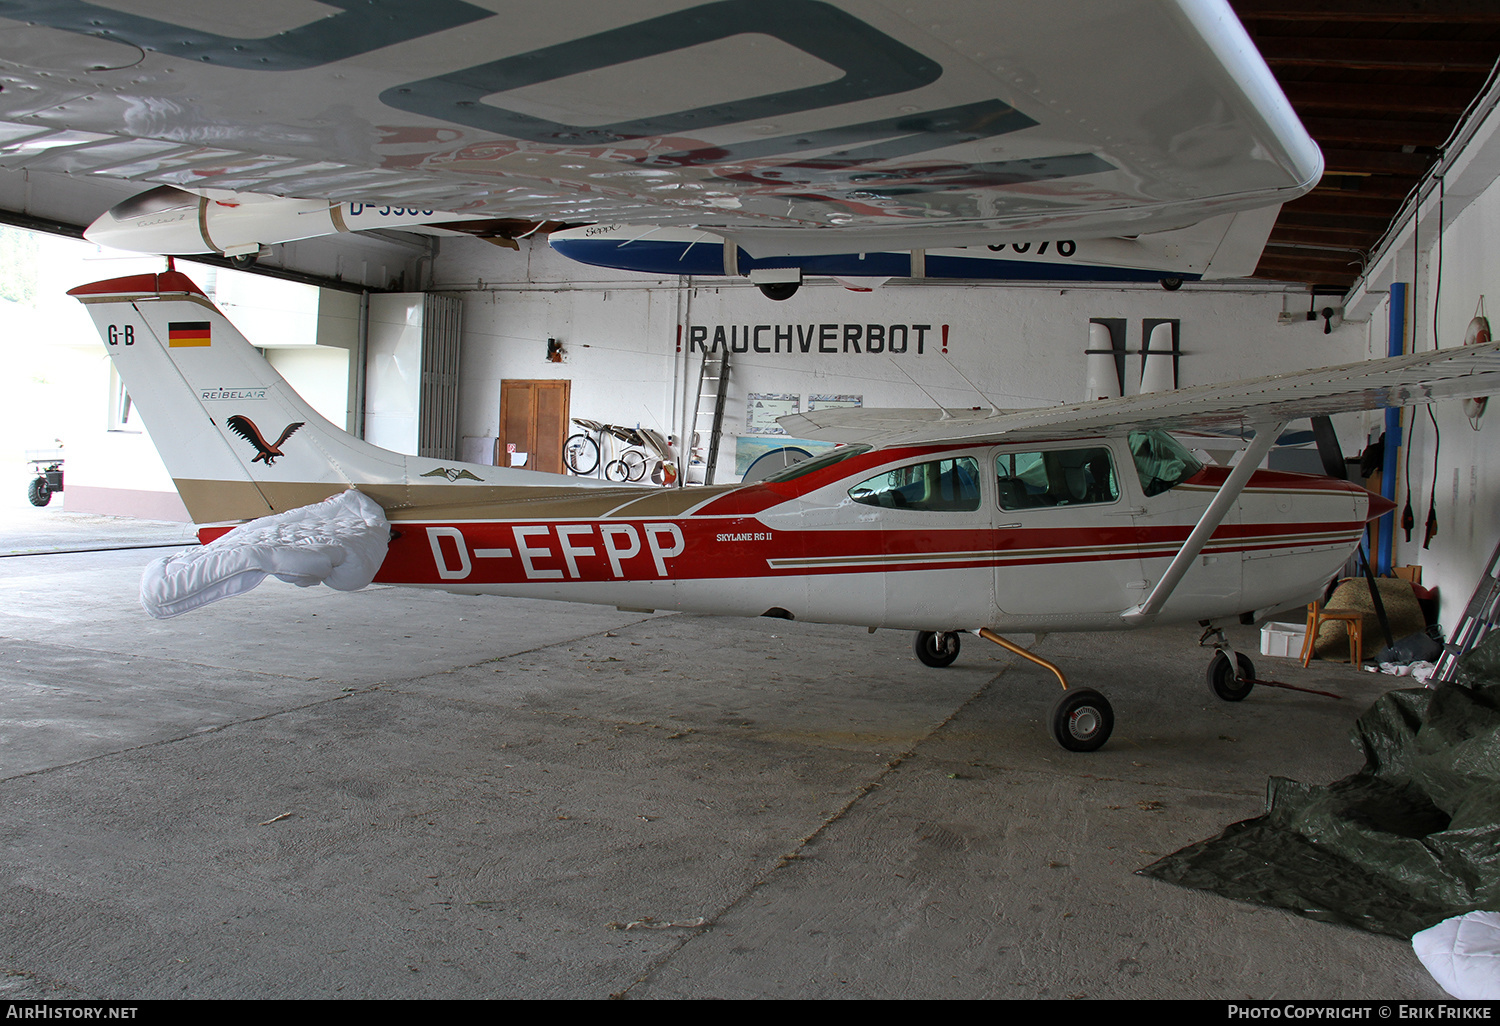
1458,373
784,126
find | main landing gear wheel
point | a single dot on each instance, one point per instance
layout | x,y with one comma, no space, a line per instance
1223,682
936,649
779,290
1082,720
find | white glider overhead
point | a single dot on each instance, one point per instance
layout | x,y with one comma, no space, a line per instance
789,128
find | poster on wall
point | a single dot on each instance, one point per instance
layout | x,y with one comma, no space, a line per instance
762,409
830,402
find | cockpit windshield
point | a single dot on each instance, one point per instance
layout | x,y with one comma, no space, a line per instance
163,197
1161,461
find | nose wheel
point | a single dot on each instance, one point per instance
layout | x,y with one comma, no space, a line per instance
1231,675
1224,682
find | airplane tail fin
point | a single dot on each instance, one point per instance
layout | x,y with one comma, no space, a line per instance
237,439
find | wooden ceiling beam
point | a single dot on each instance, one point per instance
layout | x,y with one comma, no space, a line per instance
1334,238
1388,186
1376,162
1280,271
1348,222
1395,97
1427,12
1377,54
1342,201
1373,130
1337,261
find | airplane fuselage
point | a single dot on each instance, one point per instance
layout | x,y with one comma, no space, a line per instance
960,545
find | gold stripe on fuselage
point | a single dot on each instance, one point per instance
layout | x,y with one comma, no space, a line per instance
213,502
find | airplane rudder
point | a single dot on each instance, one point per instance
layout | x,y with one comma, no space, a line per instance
218,410
188,371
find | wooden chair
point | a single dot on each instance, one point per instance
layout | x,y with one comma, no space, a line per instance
1354,623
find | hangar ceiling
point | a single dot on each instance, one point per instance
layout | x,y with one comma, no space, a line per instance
1380,85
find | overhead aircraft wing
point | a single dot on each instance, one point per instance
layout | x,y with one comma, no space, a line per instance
1458,373
785,126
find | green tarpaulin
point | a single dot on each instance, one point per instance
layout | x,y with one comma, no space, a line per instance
1408,841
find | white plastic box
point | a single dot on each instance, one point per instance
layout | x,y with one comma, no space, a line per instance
1283,639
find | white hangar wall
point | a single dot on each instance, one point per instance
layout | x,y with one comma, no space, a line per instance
1463,458
631,347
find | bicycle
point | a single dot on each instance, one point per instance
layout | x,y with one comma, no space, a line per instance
581,451
646,452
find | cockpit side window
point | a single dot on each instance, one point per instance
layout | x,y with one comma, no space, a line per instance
1161,461
1056,477
941,485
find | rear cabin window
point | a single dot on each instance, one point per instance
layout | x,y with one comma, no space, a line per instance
942,485
1057,477
1161,461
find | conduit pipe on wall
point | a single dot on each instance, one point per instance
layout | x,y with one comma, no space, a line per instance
1395,346
361,354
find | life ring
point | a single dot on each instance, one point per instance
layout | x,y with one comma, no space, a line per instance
1477,335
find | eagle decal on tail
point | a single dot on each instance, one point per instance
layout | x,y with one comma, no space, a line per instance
267,451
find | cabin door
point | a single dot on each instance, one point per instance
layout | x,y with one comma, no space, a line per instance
1065,534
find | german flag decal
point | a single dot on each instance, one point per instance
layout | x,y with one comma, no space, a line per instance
187,333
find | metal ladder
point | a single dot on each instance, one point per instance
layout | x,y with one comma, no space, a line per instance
1479,619
708,424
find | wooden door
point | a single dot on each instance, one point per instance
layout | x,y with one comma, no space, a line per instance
534,421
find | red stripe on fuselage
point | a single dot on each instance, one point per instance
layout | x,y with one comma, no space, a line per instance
741,547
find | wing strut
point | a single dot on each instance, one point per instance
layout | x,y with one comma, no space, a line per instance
1228,493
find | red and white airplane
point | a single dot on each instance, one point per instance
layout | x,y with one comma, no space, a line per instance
1082,517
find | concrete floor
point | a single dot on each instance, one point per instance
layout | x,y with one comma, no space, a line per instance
407,794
